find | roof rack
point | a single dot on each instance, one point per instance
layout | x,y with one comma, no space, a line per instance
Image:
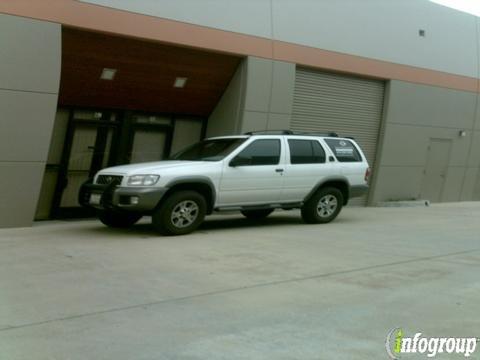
313,133
290,132
272,132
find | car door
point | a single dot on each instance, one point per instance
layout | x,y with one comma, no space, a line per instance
254,175
306,166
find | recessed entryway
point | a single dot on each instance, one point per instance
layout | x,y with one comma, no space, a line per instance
125,100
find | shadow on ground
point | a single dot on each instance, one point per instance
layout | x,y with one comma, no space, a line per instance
217,223
210,225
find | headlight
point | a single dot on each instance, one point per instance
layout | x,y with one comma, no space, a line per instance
143,180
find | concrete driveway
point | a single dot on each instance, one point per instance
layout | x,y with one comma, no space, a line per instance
239,290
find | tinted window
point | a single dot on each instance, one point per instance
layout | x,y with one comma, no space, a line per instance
306,152
261,152
344,150
209,150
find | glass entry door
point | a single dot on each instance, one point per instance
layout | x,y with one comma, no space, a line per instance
87,156
150,138
148,145
79,164
90,148
96,140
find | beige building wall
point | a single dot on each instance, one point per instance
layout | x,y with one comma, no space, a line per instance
259,97
227,115
29,81
414,115
383,30
54,158
377,40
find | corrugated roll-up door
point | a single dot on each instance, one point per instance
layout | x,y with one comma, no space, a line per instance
347,105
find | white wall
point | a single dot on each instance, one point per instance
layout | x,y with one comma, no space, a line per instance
226,117
414,115
269,95
259,97
384,30
244,16
379,29
29,81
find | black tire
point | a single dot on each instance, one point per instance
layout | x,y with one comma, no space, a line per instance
323,206
256,214
118,219
181,213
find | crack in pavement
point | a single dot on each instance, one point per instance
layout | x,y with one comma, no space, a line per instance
246,287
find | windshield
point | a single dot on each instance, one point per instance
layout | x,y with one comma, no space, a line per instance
209,150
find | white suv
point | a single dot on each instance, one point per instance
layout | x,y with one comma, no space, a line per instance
254,173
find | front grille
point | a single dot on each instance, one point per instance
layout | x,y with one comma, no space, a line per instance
109,179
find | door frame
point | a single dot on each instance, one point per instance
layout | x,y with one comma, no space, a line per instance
424,179
57,211
121,145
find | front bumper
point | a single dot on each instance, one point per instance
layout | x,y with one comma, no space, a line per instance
112,197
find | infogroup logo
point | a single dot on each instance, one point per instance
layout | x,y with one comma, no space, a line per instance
397,344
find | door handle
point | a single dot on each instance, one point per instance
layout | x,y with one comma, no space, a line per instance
279,170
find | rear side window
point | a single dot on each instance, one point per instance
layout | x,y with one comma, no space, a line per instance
306,152
344,150
261,152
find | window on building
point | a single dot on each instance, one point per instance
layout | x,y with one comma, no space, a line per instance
306,152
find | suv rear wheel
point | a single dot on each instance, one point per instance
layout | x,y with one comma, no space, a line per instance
181,213
323,206
256,214
117,219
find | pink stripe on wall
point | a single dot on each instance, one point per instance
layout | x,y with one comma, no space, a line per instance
99,18
370,67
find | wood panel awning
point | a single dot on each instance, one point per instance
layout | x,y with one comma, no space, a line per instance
146,72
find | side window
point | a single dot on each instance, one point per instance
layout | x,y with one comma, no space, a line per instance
344,150
259,152
306,152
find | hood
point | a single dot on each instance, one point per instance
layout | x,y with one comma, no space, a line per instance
149,167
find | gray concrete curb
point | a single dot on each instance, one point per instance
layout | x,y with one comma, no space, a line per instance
406,203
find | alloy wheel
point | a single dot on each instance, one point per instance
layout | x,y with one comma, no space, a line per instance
184,213
327,205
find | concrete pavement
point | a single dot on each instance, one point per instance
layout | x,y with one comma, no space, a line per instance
236,289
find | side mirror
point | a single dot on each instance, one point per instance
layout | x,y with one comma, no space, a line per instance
240,161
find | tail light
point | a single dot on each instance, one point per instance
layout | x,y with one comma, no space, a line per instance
367,174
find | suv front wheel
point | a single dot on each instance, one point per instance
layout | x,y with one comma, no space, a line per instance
323,206
181,213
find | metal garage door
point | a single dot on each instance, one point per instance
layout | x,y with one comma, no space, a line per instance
347,105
